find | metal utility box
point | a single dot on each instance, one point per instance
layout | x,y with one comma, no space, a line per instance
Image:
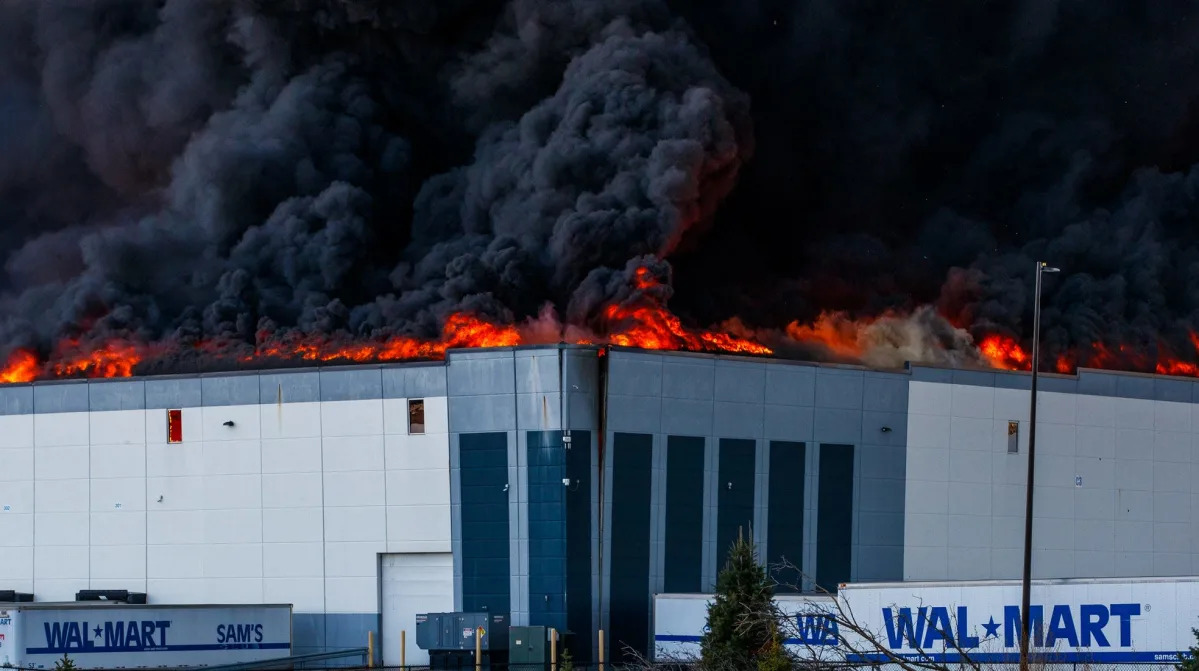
450,638
527,645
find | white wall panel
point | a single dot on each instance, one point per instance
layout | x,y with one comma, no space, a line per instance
351,418
233,526
291,455
118,494
224,492
355,488
352,595
292,525
353,453
118,567
232,560
16,431
355,524
232,457
292,490
177,590
353,560
62,463
16,564
430,451
58,429
233,590
117,427
16,464
61,528
60,562
62,496
246,423
290,420
17,496
16,529
174,459
174,527
293,560
58,589
174,561
306,595
117,528
118,461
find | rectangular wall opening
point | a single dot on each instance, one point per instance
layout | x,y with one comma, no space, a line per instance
174,426
416,416
1013,437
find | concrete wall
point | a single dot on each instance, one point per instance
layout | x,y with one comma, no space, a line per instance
1115,492
293,502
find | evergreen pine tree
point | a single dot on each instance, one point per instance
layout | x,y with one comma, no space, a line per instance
741,627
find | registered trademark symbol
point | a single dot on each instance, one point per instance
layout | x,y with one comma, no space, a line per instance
1148,608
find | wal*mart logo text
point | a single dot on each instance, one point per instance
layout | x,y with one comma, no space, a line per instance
1086,625
123,636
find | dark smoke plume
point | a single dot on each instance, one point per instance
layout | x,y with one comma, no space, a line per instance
204,172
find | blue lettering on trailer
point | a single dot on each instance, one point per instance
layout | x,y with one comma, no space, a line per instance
142,636
239,633
924,627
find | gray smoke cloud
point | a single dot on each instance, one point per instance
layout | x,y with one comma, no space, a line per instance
213,172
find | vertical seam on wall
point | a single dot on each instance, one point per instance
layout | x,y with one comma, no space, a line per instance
33,539
88,406
146,480
320,423
261,488
762,499
515,492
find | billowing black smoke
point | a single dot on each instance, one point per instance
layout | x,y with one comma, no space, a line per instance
208,170
931,153
212,170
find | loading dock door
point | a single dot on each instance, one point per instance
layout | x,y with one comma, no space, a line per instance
411,584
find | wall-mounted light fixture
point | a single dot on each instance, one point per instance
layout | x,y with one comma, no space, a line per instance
228,422
886,429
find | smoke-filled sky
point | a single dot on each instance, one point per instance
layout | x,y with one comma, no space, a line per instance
215,169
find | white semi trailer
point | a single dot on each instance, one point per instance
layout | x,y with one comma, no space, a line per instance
1076,621
107,635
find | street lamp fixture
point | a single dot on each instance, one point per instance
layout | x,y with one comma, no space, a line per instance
1042,268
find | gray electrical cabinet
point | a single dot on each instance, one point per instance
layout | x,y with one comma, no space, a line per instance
527,645
450,638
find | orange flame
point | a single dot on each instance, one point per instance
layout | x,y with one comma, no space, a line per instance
835,331
22,366
648,327
1004,353
645,324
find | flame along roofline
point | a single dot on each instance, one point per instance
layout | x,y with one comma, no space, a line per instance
930,372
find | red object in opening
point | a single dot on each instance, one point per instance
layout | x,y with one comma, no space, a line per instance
174,426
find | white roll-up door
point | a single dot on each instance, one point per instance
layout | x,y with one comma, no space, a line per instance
413,583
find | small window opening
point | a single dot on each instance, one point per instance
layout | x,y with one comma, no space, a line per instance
174,426
1013,437
416,415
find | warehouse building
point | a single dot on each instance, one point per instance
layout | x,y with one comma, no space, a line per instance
564,486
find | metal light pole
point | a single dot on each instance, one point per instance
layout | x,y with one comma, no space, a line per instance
1025,624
